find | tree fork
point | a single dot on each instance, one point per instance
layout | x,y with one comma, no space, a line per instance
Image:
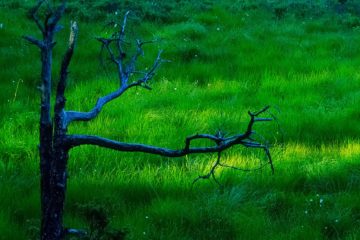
55,142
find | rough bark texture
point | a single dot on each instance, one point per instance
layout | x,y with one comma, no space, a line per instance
46,137
53,154
55,142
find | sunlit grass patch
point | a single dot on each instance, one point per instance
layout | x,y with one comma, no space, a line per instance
225,61
350,149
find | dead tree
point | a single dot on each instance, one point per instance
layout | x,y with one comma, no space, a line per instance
55,142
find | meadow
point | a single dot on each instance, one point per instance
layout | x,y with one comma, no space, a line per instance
226,58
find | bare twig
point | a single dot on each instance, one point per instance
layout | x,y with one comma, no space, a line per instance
34,41
75,232
211,172
55,16
246,142
124,72
33,13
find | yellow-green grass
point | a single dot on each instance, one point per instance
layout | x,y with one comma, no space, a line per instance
224,63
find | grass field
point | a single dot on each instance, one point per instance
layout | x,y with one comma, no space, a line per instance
226,59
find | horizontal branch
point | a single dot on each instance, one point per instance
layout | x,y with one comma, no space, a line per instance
74,232
188,140
78,140
34,41
221,143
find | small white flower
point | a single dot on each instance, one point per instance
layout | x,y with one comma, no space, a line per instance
175,89
147,217
218,29
306,211
116,13
311,199
336,220
321,201
1,25
115,25
144,233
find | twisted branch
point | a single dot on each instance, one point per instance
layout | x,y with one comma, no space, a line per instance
221,144
125,71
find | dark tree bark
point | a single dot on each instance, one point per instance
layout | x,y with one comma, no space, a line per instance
55,142
52,157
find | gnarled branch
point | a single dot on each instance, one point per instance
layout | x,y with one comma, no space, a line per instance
101,102
221,143
124,72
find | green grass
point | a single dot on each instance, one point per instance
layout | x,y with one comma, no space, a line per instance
224,62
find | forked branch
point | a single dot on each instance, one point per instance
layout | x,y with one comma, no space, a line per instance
218,163
49,26
221,143
55,143
125,71
33,12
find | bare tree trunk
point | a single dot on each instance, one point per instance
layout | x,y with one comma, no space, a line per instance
52,228
46,138
54,176
55,143
53,156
